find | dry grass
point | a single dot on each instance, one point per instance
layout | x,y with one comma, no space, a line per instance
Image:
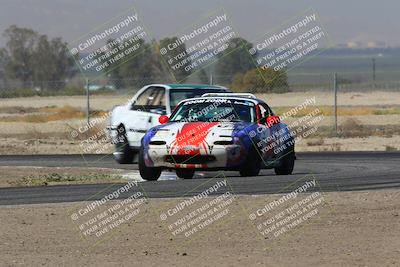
336,146
47,114
97,102
374,98
390,148
342,111
353,128
387,111
274,100
17,110
315,142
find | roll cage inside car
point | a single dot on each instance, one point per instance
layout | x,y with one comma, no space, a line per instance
263,111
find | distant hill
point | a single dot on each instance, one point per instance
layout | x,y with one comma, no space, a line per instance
354,64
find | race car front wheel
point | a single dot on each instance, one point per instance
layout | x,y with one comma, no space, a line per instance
185,173
147,173
252,165
286,164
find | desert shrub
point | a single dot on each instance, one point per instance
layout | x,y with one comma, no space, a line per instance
261,81
336,146
390,148
353,128
315,142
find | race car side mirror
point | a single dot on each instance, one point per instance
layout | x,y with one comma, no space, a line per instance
163,119
271,120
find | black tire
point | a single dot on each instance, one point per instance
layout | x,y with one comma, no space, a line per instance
252,165
123,153
148,173
286,164
185,173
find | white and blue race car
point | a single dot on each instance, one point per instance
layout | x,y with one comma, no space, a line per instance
217,132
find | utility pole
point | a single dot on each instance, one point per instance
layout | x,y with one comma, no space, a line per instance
335,102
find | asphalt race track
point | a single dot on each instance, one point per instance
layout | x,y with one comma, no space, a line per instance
333,171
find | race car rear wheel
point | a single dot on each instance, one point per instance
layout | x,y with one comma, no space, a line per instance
123,153
286,164
252,165
185,173
147,173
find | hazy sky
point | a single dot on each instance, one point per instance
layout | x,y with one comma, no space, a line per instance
344,20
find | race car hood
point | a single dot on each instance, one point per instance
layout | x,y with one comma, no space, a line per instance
179,136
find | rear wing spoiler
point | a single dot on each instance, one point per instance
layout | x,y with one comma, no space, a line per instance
248,95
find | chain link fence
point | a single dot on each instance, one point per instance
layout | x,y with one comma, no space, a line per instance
291,82
364,101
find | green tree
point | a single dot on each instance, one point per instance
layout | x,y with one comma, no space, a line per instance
143,68
113,71
261,81
4,58
30,57
19,49
65,66
180,73
203,76
234,59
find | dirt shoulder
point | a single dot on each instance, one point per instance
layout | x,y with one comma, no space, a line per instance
11,176
350,229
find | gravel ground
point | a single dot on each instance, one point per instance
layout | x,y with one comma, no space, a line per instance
350,229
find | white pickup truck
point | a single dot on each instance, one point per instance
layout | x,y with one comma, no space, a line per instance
128,123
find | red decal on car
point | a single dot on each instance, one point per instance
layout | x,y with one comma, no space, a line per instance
190,139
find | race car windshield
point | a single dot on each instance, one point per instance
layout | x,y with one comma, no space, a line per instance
215,111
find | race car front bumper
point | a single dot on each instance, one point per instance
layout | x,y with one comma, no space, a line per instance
218,157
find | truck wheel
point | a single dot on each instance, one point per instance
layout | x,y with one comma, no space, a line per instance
252,165
185,173
123,153
286,164
147,173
